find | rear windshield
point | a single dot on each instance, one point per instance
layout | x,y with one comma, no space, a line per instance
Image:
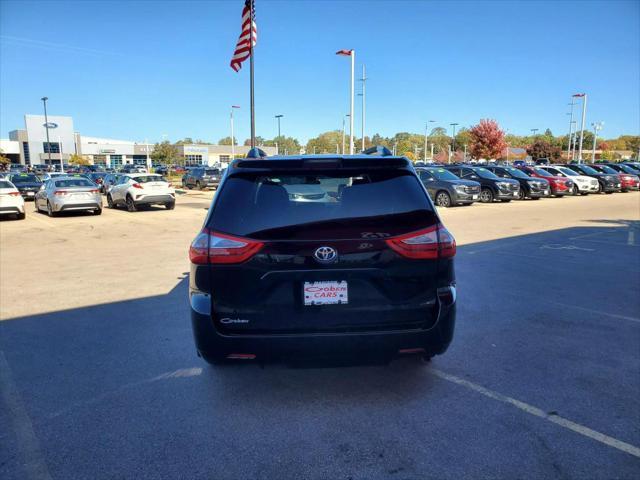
5,184
365,204
149,178
24,178
212,171
442,174
76,182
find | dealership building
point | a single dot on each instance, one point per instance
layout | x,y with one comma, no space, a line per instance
30,146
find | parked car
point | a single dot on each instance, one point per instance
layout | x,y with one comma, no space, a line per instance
201,178
447,190
606,183
530,187
69,193
26,183
161,170
97,178
560,186
627,181
367,273
109,180
137,190
582,184
11,201
133,168
634,165
492,187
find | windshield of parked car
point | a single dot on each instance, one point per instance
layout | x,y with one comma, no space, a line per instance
588,170
442,174
568,171
74,182
629,170
484,173
24,178
542,172
516,172
363,204
149,178
607,169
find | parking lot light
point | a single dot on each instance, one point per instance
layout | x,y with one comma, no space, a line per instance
46,127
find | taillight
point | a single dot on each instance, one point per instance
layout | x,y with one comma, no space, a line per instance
60,192
430,243
136,185
94,191
14,194
213,247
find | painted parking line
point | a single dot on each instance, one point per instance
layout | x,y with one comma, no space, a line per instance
598,312
531,410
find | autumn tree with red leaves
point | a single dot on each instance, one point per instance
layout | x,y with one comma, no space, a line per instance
486,140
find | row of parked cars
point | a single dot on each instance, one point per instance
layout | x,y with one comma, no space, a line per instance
55,193
450,185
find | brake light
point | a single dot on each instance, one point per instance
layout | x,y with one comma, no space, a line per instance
14,194
430,243
137,185
213,247
94,191
60,192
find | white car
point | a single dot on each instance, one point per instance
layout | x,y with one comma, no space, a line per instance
581,183
135,190
11,202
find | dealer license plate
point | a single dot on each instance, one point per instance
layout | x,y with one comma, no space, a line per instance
325,293
475,197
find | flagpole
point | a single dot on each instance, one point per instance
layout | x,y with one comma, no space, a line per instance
353,64
584,116
253,113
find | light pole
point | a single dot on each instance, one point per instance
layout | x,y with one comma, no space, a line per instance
426,139
350,53
233,143
279,117
570,127
343,131
597,126
454,125
573,145
534,131
46,126
364,97
584,117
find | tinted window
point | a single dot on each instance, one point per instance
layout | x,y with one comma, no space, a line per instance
212,171
607,169
75,182
542,172
320,206
588,170
24,178
568,171
484,173
149,178
516,173
5,184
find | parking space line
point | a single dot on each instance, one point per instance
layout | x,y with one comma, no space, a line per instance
598,312
28,445
530,409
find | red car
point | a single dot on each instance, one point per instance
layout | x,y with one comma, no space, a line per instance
628,181
559,185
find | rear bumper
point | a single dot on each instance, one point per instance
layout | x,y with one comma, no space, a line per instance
11,209
381,344
154,199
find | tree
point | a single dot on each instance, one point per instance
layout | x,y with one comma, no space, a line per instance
247,142
4,160
286,145
463,138
164,153
185,141
543,149
76,159
227,141
487,140
327,142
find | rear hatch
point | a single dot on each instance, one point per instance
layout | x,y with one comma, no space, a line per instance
325,259
151,184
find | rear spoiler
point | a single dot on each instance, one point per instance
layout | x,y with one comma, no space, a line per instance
323,163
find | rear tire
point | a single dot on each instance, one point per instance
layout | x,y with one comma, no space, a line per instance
110,203
443,199
522,195
486,195
170,205
199,186
98,211
21,216
131,206
50,211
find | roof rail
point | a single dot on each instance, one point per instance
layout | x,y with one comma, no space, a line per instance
255,152
379,150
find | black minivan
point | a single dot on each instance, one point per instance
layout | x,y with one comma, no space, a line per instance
321,257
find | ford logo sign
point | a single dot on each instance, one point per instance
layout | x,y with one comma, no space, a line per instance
326,255
50,125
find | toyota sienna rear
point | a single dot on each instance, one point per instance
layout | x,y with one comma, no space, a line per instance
321,257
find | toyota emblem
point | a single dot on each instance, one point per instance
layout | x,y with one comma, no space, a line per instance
326,255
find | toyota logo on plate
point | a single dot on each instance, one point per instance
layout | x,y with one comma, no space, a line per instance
326,255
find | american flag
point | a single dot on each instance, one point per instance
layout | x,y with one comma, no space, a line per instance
243,51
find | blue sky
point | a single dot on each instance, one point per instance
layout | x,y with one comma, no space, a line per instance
137,70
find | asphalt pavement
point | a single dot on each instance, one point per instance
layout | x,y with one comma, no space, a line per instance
542,379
